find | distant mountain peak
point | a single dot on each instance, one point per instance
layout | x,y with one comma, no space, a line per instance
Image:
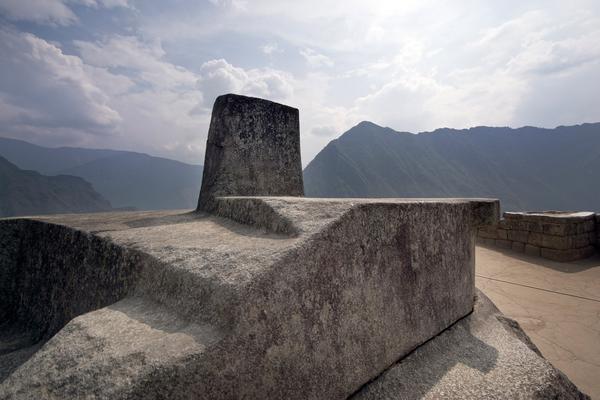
125,178
30,193
526,168
367,124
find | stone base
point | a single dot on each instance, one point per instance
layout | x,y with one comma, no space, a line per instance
298,299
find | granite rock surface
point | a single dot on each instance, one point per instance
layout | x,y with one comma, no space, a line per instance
483,356
296,302
251,297
253,149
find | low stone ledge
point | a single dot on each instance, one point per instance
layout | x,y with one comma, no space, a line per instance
518,236
556,217
598,230
505,244
560,236
568,254
533,250
502,233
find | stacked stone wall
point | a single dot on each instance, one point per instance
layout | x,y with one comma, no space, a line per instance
598,232
552,235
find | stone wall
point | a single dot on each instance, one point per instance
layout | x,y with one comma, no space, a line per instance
553,235
598,232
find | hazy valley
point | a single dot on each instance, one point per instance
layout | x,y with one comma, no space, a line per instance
526,168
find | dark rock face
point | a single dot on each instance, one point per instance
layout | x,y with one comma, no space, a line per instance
30,193
526,168
50,274
126,179
253,149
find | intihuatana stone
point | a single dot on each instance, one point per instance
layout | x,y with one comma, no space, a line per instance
253,149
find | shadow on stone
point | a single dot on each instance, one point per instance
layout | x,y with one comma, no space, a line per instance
17,345
38,291
456,345
184,217
569,267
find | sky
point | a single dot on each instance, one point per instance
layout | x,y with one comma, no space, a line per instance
143,75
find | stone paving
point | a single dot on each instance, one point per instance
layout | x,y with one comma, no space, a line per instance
557,304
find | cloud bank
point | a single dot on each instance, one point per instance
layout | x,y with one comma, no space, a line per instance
142,75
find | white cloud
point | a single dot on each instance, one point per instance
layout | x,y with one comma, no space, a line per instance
52,12
270,48
155,97
412,65
219,77
145,59
104,3
144,104
324,131
49,88
315,59
513,71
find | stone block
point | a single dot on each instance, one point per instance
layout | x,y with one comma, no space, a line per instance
488,232
308,298
532,250
253,149
496,366
517,224
518,246
535,239
502,234
512,215
505,244
567,255
549,228
486,242
586,226
557,242
593,238
559,217
581,240
503,224
484,212
535,226
518,236
598,231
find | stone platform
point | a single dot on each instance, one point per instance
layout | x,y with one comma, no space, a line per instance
268,298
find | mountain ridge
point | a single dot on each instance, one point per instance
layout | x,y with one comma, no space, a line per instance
25,192
527,167
125,178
